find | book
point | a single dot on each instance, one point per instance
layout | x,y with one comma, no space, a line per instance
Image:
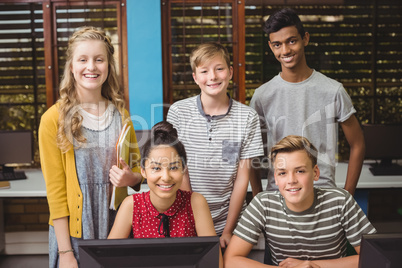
122,151
4,184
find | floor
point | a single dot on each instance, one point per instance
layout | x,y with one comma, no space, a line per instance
24,261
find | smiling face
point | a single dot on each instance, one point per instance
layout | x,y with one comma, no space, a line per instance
89,67
295,176
213,76
163,170
288,47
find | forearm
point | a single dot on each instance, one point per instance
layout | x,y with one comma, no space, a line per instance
234,212
354,135
356,159
241,262
65,249
255,180
346,262
136,179
62,233
237,199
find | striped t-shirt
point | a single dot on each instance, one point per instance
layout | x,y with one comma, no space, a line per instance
214,146
320,232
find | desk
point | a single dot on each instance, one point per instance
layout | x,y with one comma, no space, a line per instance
33,186
367,179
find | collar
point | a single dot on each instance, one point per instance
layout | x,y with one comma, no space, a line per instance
176,206
216,117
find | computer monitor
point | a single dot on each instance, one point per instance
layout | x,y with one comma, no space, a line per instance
384,143
381,250
16,148
183,252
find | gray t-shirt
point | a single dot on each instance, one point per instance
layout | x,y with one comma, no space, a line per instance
311,108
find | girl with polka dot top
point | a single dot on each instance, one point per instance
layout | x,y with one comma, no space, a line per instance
165,210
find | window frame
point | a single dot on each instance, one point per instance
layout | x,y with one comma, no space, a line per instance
50,36
238,59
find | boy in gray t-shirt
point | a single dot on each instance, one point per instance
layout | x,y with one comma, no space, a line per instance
302,101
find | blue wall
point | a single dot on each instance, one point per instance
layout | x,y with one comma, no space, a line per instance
145,62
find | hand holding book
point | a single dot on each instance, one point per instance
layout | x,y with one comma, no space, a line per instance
123,158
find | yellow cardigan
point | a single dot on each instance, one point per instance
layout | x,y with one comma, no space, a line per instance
63,191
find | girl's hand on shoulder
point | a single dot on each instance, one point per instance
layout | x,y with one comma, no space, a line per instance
67,260
295,263
122,177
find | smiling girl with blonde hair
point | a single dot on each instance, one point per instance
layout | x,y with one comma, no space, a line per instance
77,138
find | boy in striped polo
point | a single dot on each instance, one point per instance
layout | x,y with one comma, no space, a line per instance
303,225
221,137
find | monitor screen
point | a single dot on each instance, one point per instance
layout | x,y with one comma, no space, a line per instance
383,141
16,147
381,250
150,252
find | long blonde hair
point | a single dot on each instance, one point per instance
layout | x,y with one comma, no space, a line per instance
70,121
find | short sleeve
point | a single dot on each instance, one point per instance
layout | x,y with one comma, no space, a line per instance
173,116
252,222
344,105
354,221
256,105
252,144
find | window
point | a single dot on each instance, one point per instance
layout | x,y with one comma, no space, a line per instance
354,42
185,24
22,67
65,18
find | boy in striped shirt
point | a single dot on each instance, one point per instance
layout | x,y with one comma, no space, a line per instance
304,226
221,137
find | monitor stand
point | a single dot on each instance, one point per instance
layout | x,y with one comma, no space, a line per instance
9,174
386,167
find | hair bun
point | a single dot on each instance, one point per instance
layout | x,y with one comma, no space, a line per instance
164,130
163,134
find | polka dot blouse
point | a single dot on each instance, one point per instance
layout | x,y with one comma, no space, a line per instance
148,222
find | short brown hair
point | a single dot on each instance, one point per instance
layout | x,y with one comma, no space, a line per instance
207,51
294,143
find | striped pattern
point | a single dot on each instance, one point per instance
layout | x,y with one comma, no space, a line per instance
214,146
320,232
